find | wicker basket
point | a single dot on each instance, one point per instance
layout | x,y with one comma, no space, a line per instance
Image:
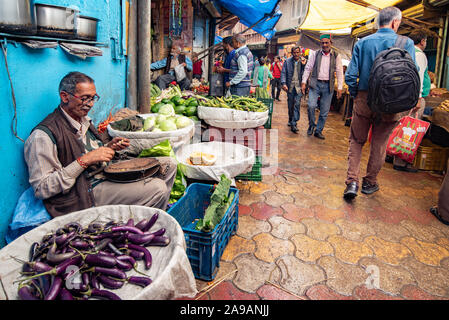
431,157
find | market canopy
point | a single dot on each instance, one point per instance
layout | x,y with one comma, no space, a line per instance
261,14
339,14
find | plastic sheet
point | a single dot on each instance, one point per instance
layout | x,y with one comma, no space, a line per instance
251,11
232,160
171,271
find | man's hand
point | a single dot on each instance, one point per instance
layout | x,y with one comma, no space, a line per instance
284,87
184,64
339,92
118,143
303,88
228,84
98,155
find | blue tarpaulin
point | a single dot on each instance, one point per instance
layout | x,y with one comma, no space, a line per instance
218,39
251,11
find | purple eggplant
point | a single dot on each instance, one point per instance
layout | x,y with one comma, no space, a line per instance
112,272
140,281
86,280
80,244
123,265
151,222
55,288
65,294
102,244
105,294
100,260
33,249
142,224
126,228
159,232
147,255
73,226
114,249
94,227
137,255
130,222
39,266
128,259
110,283
26,292
61,268
108,234
159,241
94,281
53,257
140,238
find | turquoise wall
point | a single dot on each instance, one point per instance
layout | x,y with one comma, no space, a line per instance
36,74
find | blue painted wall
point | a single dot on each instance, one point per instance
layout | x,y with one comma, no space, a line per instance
36,75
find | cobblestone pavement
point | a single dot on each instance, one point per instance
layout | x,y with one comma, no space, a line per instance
298,239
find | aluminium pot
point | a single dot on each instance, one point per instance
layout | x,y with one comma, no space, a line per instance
17,17
87,28
56,21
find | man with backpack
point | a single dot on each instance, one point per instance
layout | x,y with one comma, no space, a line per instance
374,108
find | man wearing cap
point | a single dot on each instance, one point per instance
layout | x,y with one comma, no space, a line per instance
321,68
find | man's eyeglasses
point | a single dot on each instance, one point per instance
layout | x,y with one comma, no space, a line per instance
87,100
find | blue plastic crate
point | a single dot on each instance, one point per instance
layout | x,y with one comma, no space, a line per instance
204,249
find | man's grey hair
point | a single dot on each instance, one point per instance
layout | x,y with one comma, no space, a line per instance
387,15
240,38
70,80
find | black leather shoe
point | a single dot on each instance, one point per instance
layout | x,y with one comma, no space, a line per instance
434,211
368,188
351,191
294,129
310,130
319,135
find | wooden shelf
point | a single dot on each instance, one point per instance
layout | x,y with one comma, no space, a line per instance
39,38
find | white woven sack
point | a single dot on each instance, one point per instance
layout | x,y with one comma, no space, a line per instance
171,271
245,124
224,114
145,140
232,160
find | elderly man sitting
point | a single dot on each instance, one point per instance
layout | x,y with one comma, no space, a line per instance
65,155
174,62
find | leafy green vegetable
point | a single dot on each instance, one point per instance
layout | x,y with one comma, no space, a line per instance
219,203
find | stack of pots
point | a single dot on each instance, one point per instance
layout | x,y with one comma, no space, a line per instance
22,17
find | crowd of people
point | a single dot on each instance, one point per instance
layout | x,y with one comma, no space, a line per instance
65,152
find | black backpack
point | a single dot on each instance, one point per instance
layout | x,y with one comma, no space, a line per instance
394,83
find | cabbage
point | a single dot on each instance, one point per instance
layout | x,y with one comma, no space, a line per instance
182,122
156,129
167,125
149,123
167,109
160,118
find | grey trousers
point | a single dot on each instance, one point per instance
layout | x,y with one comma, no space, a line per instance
240,91
151,192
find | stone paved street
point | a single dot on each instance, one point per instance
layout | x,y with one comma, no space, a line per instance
299,239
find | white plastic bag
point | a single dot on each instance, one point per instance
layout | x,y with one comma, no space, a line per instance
171,271
232,118
180,73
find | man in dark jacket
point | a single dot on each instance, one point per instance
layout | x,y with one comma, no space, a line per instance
291,75
66,156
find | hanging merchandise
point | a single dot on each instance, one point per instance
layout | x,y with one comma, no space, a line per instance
175,19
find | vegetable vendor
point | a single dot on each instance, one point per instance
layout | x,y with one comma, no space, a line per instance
241,67
66,155
174,60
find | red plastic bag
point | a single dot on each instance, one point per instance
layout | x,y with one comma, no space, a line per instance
406,138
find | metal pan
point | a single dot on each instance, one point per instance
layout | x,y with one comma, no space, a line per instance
17,17
132,170
56,21
87,28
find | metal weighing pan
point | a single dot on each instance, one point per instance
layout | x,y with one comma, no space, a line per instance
132,170
56,21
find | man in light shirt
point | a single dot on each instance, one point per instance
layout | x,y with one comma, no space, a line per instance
66,155
241,68
322,67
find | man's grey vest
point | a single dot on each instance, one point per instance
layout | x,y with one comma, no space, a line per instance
332,67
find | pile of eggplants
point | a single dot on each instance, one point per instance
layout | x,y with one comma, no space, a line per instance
101,253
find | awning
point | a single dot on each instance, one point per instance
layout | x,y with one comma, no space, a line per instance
339,14
265,13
